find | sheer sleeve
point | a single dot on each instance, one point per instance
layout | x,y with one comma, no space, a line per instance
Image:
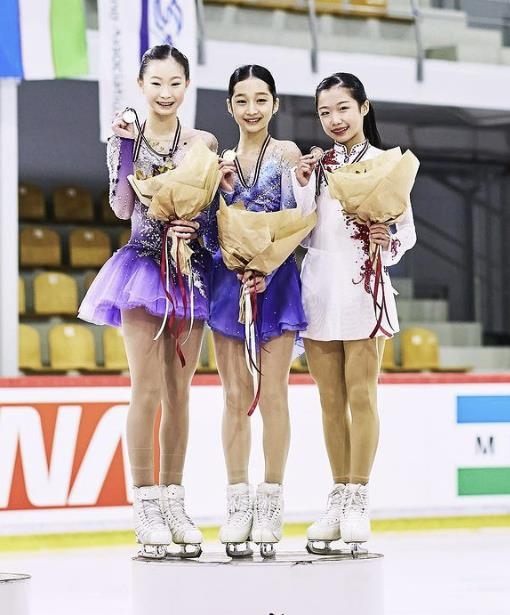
119,153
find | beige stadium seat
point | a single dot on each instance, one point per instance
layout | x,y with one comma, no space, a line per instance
113,348
124,237
40,247
107,214
420,351
72,204
388,359
207,360
71,347
299,365
89,248
29,349
31,205
55,293
22,298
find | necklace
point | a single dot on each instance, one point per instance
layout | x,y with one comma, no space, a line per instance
142,138
258,165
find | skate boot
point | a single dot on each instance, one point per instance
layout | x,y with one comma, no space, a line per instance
184,532
327,528
150,526
267,521
236,531
355,521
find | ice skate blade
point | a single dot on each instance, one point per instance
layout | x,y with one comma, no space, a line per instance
153,551
356,549
185,553
267,550
323,547
232,549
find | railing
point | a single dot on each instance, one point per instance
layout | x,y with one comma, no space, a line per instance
355,9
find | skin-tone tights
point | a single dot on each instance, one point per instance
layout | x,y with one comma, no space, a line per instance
158,378
238,395
346,374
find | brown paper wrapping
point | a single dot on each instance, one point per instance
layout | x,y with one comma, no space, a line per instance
258,241
181,193
376,190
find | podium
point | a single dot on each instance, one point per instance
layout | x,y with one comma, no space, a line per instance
14,594
289,584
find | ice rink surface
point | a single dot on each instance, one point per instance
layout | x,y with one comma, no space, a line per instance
450,572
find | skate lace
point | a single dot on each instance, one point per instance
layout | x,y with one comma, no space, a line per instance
178,516
239,509
152,517
268,506
333,508
355,504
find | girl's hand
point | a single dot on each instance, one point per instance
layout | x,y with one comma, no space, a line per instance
253,281
227,170
380,234
305,168
185,229
121,128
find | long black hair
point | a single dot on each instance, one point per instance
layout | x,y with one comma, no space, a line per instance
162,52
357,91
251,70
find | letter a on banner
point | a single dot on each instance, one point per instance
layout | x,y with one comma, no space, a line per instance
127,28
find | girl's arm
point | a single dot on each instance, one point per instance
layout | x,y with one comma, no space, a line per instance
119,154
293,194
401,240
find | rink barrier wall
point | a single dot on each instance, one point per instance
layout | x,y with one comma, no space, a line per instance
444,451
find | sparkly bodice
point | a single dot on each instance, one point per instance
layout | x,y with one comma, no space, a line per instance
273,190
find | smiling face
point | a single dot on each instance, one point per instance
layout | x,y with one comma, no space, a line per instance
164,86
252,105
341,116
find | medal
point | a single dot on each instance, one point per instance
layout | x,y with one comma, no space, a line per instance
129,115
229,155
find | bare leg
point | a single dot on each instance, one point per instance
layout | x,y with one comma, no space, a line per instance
144,358
238,394
176,382
274,407
326,364
362,361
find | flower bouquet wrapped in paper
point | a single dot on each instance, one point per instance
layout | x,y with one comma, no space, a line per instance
180,193
258,242
376,191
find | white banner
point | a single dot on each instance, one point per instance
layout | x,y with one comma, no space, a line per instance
126,29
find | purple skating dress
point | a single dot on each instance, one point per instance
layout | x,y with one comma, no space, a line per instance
131,277
279,306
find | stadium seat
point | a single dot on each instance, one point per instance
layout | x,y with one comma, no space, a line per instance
22,300
31,205
40,247
72,204
207,360
71,347
299,365
29,349
89,248
124,237
107,214
55,293
420,351
113,348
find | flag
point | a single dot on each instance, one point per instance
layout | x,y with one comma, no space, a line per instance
43,39
127,28
484,467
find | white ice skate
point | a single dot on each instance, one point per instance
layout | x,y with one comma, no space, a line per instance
327,528
355,521
184,532
150,526
267,521
236,531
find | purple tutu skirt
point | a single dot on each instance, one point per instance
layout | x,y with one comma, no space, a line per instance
279,306
129,280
